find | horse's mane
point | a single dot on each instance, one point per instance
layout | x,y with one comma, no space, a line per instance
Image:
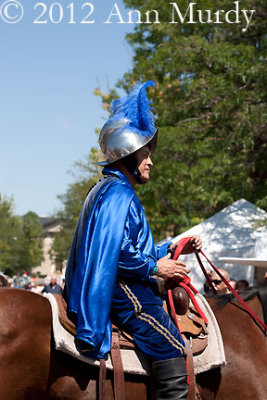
262,293
221,300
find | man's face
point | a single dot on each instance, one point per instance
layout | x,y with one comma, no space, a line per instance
53,280
144,162
219,284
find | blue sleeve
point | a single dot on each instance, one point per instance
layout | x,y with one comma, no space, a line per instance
137,255
161,251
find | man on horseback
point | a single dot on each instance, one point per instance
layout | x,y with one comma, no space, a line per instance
113,257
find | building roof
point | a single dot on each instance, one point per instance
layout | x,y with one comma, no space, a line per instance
47,221
50,225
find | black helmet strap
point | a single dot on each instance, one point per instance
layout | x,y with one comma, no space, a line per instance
131,164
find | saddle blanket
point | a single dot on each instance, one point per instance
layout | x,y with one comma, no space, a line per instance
135,362
213,356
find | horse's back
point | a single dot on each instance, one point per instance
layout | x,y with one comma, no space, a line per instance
25,341
245,376
31,368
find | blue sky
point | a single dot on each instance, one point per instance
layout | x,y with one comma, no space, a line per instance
48,112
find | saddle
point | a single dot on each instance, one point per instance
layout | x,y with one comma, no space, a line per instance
124,341
191,323
192,327
119,341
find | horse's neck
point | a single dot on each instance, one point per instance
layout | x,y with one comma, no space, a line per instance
256,306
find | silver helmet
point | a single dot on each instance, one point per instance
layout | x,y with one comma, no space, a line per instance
130,126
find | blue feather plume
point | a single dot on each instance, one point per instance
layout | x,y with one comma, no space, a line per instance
136,108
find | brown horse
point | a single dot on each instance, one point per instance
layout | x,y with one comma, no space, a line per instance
245,376
30,367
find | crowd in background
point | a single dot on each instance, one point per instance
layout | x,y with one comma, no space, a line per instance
49,284
55,283
220,285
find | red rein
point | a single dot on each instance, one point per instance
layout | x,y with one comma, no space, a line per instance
186,284
244,304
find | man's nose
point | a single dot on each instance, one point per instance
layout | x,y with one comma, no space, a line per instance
149,161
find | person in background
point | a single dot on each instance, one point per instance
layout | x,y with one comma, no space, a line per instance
242,284
53,286
34,287
233,283
3,281
217,281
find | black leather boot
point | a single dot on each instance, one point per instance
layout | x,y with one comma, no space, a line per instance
170,379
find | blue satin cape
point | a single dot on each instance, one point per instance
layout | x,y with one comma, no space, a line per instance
93,261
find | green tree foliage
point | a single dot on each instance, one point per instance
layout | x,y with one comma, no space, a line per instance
20,243
10,233
31,243
210,103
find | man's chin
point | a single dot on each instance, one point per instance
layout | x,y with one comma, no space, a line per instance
145,179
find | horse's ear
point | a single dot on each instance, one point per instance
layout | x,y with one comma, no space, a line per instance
181,300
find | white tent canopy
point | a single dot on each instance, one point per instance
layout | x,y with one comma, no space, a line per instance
245,261
234,232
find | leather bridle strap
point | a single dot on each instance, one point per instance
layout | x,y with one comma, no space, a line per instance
190,370
212,286
177,253
102,379
117,367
